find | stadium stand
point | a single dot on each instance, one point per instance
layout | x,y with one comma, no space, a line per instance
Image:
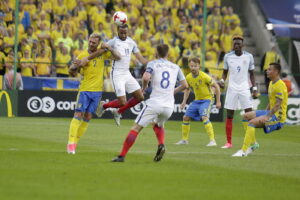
56,31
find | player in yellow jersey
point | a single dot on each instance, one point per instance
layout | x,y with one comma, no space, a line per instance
90,89
199,109
271,119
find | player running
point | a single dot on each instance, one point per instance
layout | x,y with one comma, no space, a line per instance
239,64
121,78
90,89
159,107
271,119
199,109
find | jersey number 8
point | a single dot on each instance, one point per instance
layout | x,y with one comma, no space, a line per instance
164,83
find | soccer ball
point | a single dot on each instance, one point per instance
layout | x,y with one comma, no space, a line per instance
120,18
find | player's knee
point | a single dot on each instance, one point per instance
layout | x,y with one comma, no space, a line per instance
204,118
141,98
122,102
78,115
185,118
87,116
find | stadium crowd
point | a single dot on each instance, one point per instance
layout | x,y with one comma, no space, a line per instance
53,32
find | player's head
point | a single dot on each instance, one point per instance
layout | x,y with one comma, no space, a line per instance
94,42
194,64
123,31
274,71
238,43
162,50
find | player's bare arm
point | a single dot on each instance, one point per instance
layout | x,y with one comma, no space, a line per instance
186,95
145,81
115,53
218,94
141,58
224,76
254,88
183,85
273,110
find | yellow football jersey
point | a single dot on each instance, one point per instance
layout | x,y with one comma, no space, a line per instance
278,90
93,73
201,85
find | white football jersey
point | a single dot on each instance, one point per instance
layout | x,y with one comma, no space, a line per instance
164,75
125,48
238,67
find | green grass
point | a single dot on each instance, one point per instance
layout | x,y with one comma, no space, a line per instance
34,163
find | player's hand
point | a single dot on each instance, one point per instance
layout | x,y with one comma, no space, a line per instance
264,119
84,61
255,94
218,105
105,46
182,106
144,90
221,83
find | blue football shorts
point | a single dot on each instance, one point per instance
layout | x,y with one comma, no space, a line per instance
199,108
88,101
272,124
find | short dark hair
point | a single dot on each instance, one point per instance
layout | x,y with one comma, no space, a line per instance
123,26
195,60
277,66
162,50
238,37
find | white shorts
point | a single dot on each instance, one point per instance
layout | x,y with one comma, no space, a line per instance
124,83
158,115
236,100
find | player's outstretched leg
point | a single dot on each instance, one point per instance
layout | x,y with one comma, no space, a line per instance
129,141
100,109
130,103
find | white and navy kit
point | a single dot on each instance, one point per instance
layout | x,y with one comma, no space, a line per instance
159,107
121,78
238,91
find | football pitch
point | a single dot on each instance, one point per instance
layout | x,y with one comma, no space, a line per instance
34,163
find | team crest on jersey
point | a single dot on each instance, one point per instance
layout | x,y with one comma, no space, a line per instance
200,82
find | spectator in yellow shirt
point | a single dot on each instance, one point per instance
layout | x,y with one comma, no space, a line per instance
235,29
27,65
62,63
2,59
43,65
60,9
9,40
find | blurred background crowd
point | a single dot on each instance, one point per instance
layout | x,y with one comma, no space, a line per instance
53,32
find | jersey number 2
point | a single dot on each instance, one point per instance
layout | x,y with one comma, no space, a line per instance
164,83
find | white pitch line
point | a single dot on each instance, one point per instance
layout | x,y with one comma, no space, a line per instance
149,152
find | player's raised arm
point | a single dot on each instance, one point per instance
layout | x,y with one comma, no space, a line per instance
141,58
115,53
